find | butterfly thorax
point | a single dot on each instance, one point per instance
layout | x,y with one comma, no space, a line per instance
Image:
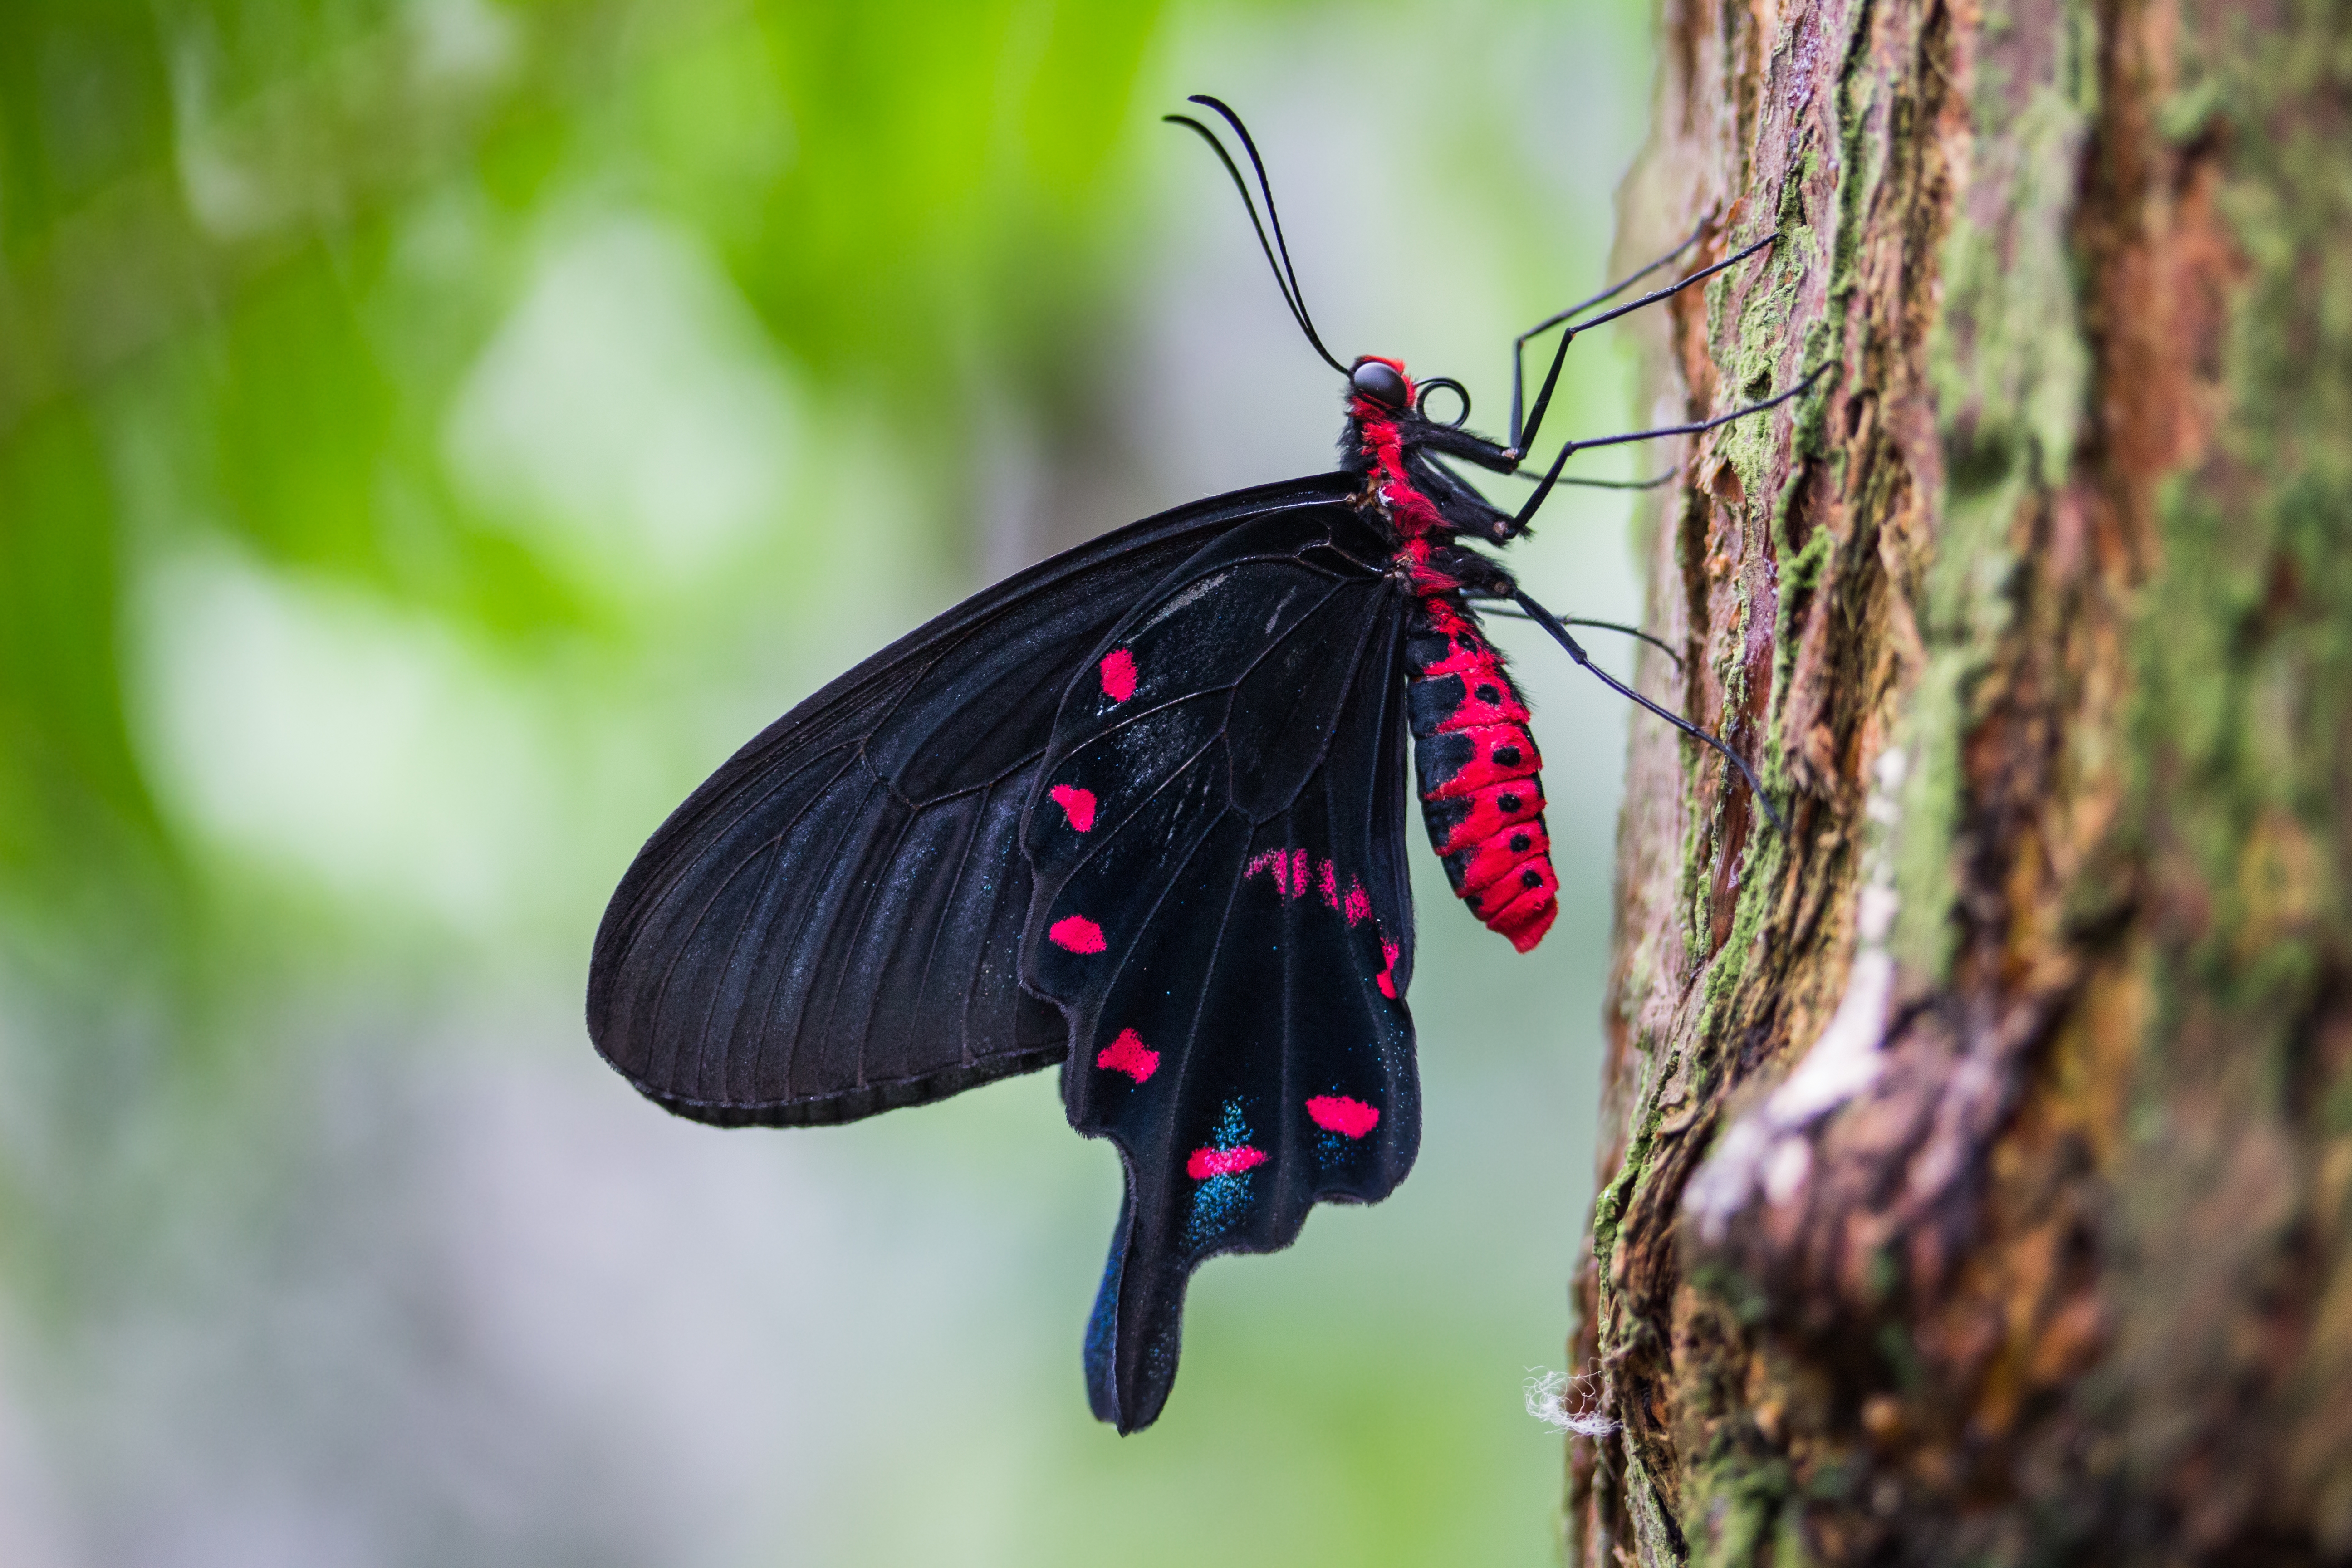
1479,771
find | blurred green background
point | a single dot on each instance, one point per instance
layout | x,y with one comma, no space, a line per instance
432,437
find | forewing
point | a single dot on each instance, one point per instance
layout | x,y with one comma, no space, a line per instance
830,925
1229,929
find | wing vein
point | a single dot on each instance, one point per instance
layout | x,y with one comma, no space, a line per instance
1185,1074
932,952
873,881
680,949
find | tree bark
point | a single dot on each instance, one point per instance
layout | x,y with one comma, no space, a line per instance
1976,1179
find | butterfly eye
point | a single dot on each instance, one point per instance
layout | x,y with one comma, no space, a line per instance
1380,382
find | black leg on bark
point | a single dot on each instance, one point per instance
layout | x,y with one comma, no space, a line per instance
1522,440
1526,512
1551,623
1658,643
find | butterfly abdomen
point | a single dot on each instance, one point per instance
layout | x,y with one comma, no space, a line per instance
1481,789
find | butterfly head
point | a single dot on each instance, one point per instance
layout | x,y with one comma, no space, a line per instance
1382,383
1378,388
1390,432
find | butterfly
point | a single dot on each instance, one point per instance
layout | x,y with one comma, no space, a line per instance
1138,813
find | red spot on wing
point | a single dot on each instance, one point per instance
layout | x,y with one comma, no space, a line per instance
1295,872
1387,976
1130,1055
1077,805
1077,933
1118,675
1290,869
1337,1113
1207,1163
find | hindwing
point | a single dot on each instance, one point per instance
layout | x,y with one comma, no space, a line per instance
1221,909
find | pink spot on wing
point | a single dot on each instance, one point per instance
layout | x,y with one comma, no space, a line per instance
1118,675
1288,867
1337,1113
1077,933
1296,871
1130,1055
1207,1163
1387,976
1076,803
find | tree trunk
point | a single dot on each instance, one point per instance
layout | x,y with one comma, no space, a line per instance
1977,1178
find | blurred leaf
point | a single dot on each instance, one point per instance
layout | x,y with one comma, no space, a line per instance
432,434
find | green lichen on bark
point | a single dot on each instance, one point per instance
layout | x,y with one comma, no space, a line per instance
2010,374
2239,742
2068,1280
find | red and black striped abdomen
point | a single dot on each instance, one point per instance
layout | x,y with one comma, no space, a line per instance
1480,790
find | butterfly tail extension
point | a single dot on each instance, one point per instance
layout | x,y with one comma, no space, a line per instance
1244,1186
1480,772
1131,1353
1102,1333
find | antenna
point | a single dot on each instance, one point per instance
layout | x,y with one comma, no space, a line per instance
1285,276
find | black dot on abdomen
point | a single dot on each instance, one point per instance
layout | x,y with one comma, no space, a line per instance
1520,843
1507,756
1531,877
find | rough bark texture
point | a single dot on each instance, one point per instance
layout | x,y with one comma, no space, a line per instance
1977,1173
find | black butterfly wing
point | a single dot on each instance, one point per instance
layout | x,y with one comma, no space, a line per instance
1222,910
830,925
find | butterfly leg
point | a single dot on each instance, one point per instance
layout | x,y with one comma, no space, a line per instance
1560,633
1523,440
1636,632
1658,643
1520,343
1518,524
1649,484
